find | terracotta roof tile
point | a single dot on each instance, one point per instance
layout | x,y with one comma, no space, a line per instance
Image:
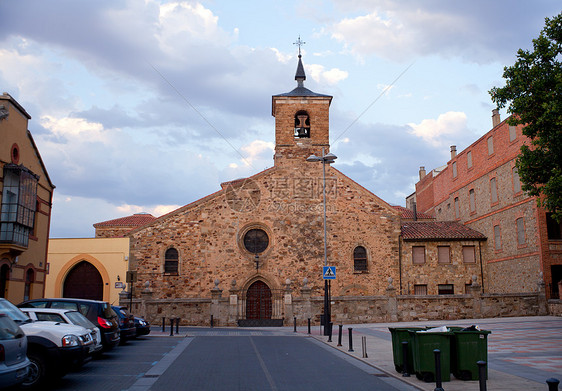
136,220
438,230
409,213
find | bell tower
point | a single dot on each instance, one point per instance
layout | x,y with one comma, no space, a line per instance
301,121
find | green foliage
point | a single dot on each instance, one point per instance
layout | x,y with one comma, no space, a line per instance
533,94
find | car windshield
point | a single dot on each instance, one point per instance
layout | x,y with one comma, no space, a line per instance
13,312
79,319
9,329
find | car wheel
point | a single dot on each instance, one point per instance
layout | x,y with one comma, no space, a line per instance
37,371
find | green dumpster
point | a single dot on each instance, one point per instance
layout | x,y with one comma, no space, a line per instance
399,335
467,348
424,343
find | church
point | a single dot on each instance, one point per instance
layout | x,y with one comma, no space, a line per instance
254,251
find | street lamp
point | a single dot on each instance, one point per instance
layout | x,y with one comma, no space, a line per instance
325,159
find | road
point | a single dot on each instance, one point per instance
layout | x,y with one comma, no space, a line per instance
228,361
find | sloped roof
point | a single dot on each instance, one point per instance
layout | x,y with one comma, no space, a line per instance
438,230
409,213
136,220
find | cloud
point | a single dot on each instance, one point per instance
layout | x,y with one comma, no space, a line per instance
438,132
473,30
326,77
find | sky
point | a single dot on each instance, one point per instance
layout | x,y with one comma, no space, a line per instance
148,105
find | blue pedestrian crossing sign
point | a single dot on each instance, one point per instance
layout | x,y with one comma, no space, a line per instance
329,272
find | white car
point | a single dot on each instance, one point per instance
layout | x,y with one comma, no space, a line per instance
66,316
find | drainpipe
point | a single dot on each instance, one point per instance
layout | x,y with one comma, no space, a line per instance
400,260
481,267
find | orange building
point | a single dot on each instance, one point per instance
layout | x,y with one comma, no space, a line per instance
26,194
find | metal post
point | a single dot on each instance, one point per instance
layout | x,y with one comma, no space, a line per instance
364,346
437,354
482,374
339,334
177,325
350,330
163,324
327,315
308,325
295,324
212,321
171,327
406,364
552,384
330,332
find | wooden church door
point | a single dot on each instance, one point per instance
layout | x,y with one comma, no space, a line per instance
84,281
258,301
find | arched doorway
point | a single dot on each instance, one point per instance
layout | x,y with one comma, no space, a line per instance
258,301
83,281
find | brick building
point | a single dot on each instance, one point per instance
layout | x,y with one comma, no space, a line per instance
480,188
26,194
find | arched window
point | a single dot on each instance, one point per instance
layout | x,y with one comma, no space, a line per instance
302,124
29,278
171,261
360,259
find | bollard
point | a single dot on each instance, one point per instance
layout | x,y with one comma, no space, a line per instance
295,324
177,325
211,321
438,384
330,332
171,327
163,324
482,374
405,367
339,334
350,330
308,325
552,384
364,346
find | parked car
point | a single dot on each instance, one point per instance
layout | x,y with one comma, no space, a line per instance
14,364
67,316
97,312
126,323
53,348
142,326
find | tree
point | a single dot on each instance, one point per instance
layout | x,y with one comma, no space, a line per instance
533,91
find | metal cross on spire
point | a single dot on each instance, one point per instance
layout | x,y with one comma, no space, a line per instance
299,43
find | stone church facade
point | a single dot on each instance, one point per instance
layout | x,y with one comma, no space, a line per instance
266,232
254,250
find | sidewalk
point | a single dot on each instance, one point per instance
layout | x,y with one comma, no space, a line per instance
522,352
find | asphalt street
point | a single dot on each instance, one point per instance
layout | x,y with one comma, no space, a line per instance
252,360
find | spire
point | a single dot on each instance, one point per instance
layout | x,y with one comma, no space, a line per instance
300,76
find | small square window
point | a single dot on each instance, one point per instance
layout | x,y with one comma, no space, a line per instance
446,289
420,289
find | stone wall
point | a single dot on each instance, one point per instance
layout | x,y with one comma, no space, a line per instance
349,310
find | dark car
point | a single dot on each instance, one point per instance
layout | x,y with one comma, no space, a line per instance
142,326
14,365
126,323
99,313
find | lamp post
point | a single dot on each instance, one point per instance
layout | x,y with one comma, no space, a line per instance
325,159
